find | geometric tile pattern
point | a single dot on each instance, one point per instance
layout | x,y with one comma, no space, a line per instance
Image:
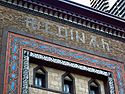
14,61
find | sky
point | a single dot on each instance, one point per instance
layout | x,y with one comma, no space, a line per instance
84,2
87,2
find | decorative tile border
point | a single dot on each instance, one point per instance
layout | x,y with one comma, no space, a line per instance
25,75
69,64
74,65
14,64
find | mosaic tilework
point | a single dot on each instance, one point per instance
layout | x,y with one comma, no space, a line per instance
25,74
16,43
76,66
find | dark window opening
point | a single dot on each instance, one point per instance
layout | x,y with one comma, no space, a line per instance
94,90
94,87
40,79
68,84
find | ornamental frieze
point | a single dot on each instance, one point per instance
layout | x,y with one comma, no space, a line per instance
67,34
83,39
21,48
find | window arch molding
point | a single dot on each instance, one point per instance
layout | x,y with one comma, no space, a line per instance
40,72
68,79
94,86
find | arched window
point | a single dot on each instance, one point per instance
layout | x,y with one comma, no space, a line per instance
40,77
68,83
94,87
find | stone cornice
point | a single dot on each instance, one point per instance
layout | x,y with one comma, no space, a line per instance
67,16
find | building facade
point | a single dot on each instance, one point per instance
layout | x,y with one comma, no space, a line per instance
102,5
118,9
57,47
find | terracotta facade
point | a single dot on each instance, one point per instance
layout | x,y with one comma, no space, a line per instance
64,46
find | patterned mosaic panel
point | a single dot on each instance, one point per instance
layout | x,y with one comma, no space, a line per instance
15,61
25,74
76,66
